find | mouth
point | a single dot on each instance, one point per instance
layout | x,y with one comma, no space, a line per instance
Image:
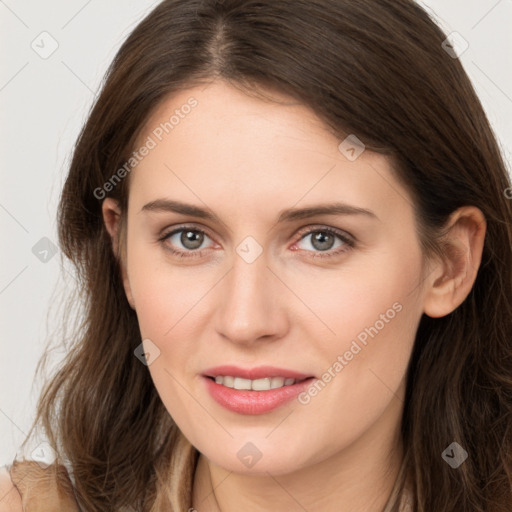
256,390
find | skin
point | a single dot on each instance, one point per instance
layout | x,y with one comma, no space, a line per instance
246,160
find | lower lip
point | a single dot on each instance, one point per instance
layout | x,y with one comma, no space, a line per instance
254,402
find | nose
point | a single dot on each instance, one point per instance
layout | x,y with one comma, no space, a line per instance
252,303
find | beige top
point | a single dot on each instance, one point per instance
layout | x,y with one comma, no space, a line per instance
406,503
38,488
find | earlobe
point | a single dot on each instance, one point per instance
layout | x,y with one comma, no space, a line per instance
454,276
112,219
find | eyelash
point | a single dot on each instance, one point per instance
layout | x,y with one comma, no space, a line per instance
348,242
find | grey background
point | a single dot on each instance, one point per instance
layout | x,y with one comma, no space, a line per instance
44,102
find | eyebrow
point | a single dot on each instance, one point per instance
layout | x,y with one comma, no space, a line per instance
288,215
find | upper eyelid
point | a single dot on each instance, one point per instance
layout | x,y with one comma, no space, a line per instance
319,227
172,231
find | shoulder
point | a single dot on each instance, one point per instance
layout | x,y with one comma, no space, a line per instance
37,488
10,498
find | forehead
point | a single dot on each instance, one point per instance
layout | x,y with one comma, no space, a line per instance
215,142
218,111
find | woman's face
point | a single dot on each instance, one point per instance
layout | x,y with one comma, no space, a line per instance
263,282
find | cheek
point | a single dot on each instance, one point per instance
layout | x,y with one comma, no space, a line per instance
372,313
366,292
164,293
375,315
165,299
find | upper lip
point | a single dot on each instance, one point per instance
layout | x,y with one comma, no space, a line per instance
260,372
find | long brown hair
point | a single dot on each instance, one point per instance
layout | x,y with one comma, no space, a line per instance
373,68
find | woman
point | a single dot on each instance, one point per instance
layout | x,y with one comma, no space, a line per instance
291,223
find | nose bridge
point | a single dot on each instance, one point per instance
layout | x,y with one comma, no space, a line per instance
248,303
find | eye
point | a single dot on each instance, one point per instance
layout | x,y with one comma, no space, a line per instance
323,242
187,237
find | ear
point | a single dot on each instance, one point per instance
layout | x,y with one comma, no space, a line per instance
452,278
112,217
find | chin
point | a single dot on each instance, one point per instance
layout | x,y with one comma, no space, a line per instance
275,462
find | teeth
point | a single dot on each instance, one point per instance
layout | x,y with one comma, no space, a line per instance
261,384
242,383
277,382
229,382
255,385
